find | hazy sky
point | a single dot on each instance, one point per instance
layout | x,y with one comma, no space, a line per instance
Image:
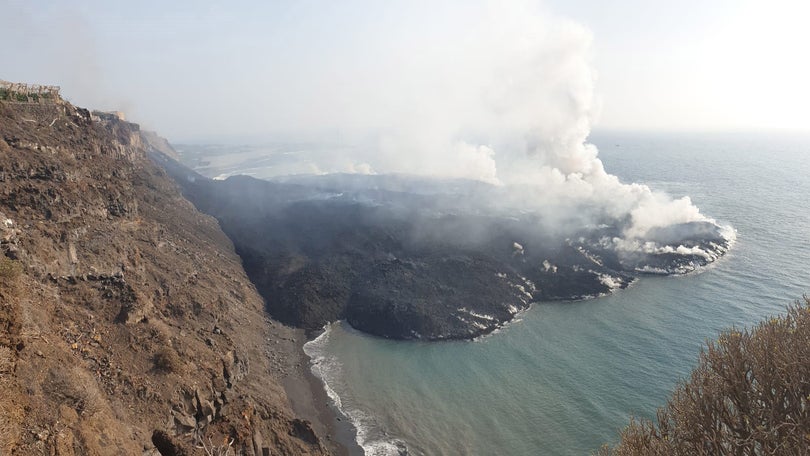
218,70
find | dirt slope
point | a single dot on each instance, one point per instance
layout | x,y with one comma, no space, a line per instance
127,324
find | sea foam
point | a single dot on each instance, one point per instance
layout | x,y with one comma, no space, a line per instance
325,366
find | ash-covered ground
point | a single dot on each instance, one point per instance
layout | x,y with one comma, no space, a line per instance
410,257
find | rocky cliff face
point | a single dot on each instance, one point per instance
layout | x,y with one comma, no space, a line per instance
127,324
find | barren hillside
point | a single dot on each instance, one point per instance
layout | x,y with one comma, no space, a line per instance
127,324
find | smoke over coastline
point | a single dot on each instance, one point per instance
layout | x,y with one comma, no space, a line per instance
462,188
500,92
462,159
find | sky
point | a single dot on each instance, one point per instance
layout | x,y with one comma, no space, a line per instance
241,70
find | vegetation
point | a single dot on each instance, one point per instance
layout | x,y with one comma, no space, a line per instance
76,388
9,270
749,395
167,360
6,360
10,95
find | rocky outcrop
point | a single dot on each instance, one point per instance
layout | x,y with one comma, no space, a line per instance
127,324
157,144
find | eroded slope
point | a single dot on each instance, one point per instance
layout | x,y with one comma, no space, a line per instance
127,324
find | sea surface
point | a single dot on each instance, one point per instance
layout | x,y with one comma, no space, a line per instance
565,377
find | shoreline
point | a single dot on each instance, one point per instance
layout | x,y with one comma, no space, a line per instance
309,401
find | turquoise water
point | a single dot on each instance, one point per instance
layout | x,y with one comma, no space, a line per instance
567,376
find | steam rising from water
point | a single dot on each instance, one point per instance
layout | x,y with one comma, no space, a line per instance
497,92
500,92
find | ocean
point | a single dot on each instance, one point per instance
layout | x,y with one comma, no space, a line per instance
565,377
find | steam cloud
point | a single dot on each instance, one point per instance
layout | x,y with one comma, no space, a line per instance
500,92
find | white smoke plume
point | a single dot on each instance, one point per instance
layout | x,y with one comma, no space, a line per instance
501,92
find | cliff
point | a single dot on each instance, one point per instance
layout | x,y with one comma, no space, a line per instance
127,323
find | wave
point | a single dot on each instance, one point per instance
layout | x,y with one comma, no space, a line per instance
517,318
369,434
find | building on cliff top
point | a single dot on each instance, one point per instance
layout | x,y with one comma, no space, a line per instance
108,115
28,93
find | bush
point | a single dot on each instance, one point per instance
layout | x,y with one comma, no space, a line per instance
749,395
10,419
6,360
9,269
167,360
75,388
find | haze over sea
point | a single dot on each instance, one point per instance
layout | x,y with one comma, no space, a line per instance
567,376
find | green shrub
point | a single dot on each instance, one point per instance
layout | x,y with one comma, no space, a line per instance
749,395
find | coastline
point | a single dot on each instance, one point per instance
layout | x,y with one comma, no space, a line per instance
309,401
